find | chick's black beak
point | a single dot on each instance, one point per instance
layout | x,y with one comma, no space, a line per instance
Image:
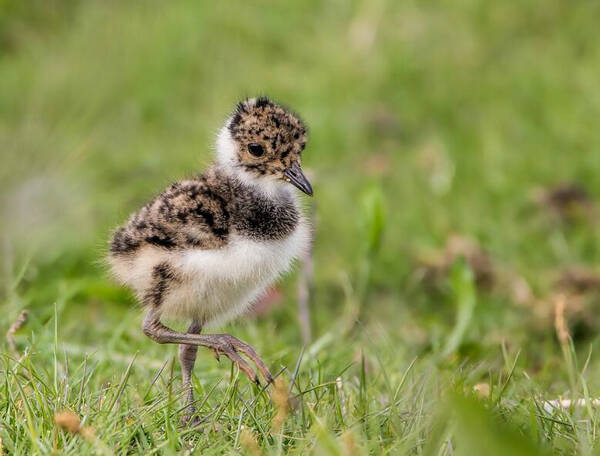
296,177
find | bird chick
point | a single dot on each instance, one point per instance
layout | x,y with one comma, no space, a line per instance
206,248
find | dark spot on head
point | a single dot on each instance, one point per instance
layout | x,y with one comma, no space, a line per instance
261,102
237,118
165,242
123,242
258,167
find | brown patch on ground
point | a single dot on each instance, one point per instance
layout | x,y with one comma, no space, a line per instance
482,390
489,275
568,202
69,421
435,266
578,279
578,290
574,310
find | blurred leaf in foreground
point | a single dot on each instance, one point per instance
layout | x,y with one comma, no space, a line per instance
373,218
373,225
478,432
465,298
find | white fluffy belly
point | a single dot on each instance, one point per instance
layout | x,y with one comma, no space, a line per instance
218,285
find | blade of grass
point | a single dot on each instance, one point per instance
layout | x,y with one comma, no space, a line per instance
122,384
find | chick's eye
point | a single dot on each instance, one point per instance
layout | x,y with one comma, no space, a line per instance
255,149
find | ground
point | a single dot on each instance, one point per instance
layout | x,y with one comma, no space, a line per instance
455,155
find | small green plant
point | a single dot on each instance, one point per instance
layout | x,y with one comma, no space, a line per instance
464,298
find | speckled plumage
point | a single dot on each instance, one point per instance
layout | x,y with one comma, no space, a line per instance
282,135
201,212
206,247
210,213
240,197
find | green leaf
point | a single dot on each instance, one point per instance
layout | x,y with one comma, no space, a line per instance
373,217
477,431
465,299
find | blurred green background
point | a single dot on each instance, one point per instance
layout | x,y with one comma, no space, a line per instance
438,130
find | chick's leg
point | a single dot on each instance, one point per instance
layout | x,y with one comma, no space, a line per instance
220,344
187,359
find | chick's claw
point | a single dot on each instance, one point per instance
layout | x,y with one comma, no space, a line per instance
250,353
230,346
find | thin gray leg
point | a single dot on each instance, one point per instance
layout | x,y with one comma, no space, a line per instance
187,359
220,344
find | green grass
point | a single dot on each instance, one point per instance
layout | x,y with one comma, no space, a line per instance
427,119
